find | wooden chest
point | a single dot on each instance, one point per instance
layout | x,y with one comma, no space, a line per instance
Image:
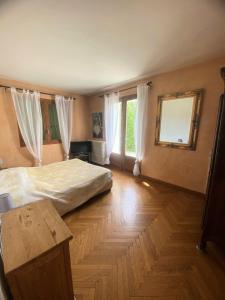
35,250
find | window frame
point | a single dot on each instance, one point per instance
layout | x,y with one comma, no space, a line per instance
123,120
46,125
127,100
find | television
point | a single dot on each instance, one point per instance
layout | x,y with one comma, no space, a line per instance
80,147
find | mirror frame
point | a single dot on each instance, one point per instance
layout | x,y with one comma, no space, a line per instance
191,145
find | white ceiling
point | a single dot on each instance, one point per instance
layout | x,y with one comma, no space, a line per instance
87,45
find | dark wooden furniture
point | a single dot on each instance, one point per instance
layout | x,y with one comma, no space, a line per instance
35,251
81,150
214,214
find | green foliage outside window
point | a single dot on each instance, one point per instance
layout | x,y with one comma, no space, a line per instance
54,124
130,126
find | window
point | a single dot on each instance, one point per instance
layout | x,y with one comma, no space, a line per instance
125,131
131,108
51,134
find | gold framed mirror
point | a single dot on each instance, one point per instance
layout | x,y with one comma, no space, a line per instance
178,117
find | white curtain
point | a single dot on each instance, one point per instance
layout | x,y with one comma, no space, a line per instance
140,125
29,117
111,118
64,109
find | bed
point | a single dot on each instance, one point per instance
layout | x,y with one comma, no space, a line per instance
67,184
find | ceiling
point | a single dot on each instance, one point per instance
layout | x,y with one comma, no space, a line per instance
84,46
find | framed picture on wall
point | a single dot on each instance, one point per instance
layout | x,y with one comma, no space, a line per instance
97,125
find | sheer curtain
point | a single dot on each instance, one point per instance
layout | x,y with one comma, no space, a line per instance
140,125
29,117
111,118
64,109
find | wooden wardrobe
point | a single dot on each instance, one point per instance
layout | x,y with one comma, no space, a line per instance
214,213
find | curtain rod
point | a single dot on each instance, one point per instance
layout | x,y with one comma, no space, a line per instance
8,87
126,89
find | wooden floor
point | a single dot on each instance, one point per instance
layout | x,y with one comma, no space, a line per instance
139,242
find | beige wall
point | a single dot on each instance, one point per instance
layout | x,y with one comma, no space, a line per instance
10,151
184,168
188,169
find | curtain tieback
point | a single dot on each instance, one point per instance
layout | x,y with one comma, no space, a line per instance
67,157
37,162
136,170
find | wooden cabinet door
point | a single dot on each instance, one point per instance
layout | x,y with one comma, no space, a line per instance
214,215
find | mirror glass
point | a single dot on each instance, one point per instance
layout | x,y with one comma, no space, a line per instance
178,119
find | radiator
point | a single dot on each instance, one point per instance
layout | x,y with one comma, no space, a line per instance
98,154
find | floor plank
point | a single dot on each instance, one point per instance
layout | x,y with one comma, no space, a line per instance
139,242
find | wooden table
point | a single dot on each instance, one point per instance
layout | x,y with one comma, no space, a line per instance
35,248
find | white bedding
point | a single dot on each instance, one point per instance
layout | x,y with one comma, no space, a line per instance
67,184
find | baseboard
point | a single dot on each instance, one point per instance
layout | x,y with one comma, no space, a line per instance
143,177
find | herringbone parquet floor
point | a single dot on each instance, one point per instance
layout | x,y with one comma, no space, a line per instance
139,242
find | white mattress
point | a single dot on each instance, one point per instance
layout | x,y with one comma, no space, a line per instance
67,184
